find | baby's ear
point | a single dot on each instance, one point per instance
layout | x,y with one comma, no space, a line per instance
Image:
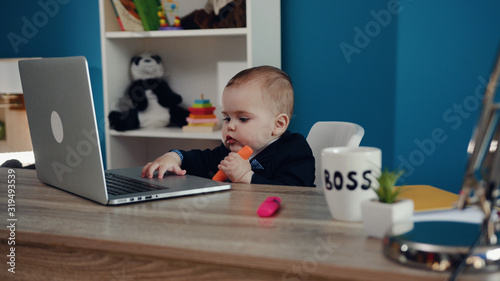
281,123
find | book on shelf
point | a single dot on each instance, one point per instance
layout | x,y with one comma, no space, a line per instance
148,12
127,15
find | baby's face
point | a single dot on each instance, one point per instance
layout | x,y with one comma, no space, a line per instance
247,120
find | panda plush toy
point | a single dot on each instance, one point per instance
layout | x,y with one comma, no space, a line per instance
149,101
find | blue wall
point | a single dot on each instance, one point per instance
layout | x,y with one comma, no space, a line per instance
446,51
412,64
401,70
340,71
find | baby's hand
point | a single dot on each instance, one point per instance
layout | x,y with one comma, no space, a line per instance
236,168
168,162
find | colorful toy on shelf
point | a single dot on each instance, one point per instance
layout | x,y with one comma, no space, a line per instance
163,18
172,8
201,118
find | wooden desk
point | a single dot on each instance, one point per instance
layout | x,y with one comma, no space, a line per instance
216,236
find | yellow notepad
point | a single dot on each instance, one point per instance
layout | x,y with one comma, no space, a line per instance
429,198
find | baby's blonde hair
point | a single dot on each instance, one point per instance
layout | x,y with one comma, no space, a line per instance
275,85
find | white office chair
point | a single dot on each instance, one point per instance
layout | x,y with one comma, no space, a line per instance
331,134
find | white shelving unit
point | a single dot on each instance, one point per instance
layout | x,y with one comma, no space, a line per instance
196,62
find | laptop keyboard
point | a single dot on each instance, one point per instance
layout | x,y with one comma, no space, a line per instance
119,185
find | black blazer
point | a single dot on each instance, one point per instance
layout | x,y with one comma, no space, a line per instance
287,161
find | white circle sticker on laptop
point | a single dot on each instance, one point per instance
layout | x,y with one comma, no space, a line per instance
57,127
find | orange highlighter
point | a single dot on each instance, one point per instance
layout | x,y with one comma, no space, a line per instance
244,152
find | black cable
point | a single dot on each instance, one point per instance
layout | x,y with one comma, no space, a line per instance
461,266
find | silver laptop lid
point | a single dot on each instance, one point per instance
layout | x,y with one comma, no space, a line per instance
62,123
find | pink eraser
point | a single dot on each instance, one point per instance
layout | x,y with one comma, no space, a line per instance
269,206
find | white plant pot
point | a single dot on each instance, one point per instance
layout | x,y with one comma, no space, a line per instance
378,217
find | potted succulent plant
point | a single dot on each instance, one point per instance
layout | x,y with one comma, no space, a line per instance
378,215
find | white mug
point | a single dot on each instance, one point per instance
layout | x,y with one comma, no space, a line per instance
349,176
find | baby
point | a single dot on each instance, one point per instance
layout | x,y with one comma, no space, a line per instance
257,105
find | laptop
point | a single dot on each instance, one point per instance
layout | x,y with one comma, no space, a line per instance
63,127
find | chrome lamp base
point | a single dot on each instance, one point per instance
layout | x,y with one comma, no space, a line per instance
442,246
